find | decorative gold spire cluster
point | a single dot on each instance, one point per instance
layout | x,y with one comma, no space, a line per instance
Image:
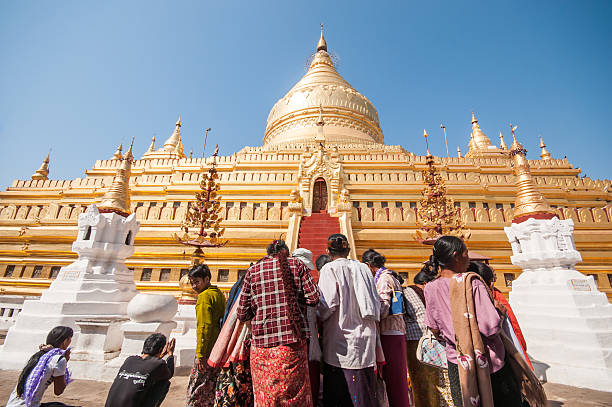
172,148
545,155
529,203
117,198
437,215
43,171
204,215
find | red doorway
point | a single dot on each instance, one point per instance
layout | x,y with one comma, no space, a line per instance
319,196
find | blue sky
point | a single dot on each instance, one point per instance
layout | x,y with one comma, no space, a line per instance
80,77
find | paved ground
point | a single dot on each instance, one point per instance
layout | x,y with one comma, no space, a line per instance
85,393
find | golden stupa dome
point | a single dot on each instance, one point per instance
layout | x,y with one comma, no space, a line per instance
349,117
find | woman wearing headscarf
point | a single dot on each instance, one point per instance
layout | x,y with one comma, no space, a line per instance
46,366
274,297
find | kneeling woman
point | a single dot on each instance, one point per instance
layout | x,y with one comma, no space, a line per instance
46,366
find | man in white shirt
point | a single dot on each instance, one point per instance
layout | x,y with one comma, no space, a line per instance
349,309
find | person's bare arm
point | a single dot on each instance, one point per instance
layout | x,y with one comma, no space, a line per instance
59,382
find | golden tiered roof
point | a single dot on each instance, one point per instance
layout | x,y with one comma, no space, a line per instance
349,116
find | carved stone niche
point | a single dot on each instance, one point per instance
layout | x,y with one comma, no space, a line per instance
322,163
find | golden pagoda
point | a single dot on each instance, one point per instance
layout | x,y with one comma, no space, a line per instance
43,171
545,155
117,198
529,200
341,172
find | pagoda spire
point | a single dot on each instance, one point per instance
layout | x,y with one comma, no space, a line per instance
171,143
43,171
545,155
502,143
117,155
322,45
179,148
481,141
117,198
458,151
152,146
529,203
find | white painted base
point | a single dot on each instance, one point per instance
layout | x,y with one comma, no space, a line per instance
567,324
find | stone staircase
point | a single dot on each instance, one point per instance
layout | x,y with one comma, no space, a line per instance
314,231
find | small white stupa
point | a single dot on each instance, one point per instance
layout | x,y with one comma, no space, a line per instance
90,295
566,320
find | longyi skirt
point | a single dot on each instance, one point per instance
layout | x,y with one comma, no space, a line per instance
280,376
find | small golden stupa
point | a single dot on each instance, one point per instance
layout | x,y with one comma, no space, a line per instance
117,198
43,171
544,155
529,203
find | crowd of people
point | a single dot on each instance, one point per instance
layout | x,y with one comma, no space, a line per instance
352,338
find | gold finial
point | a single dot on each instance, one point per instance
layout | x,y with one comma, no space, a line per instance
502,143
529,203
128,155
545,155
152,146
117,198
172,142
426,142
43,171
117,155
458,152
474,118
322,45
191,153
515,144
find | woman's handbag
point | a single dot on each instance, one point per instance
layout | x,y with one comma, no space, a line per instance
431,352
397,303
